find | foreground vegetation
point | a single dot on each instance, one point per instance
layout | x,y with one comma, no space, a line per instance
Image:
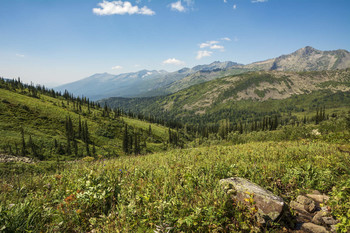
178,189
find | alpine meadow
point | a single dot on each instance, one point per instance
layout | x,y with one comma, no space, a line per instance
175,116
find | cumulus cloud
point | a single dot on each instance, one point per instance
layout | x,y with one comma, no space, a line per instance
117,67
19,55
203,53
257,1
234,7
208,44
225,1
173,61
120,8
177,6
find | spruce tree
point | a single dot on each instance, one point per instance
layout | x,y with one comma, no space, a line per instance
23,151
126,140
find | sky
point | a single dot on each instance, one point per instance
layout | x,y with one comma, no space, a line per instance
51,42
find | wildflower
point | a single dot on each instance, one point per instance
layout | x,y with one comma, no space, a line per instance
78,211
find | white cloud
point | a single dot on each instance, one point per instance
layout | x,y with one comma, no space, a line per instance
257,1
225,1
234,6
203,53
117,67
120,8
226,39
215,46
208,44
173,61
19,55
177,6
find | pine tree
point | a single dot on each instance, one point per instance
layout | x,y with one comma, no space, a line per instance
126,140
23,151
79,128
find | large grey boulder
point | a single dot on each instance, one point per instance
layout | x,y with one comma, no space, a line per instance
269,205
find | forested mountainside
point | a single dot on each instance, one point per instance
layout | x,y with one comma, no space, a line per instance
47,125
247,96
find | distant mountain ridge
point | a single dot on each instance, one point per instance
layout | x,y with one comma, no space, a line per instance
265,90
146,83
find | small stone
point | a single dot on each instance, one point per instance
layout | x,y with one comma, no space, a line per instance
333,228
304,200
309,204
315,192
313,228
311,207
298,207
318,198
329,220
317,219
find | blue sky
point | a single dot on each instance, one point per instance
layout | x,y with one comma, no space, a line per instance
58,41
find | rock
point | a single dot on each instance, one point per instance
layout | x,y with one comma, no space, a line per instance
309,204
329,220
333,228
313,228
269,205
315,192
304,200
317,219
298,207
311,207
320,198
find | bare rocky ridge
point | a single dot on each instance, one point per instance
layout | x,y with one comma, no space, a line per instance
306,59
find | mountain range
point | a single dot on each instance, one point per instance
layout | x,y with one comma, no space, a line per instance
249,94
147,83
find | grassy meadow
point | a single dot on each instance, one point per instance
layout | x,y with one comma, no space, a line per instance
178,189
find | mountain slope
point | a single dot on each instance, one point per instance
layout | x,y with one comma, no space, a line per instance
306,59
267,91
139,83
154,83
44,120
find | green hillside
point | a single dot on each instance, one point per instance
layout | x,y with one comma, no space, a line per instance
44,119
248,96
